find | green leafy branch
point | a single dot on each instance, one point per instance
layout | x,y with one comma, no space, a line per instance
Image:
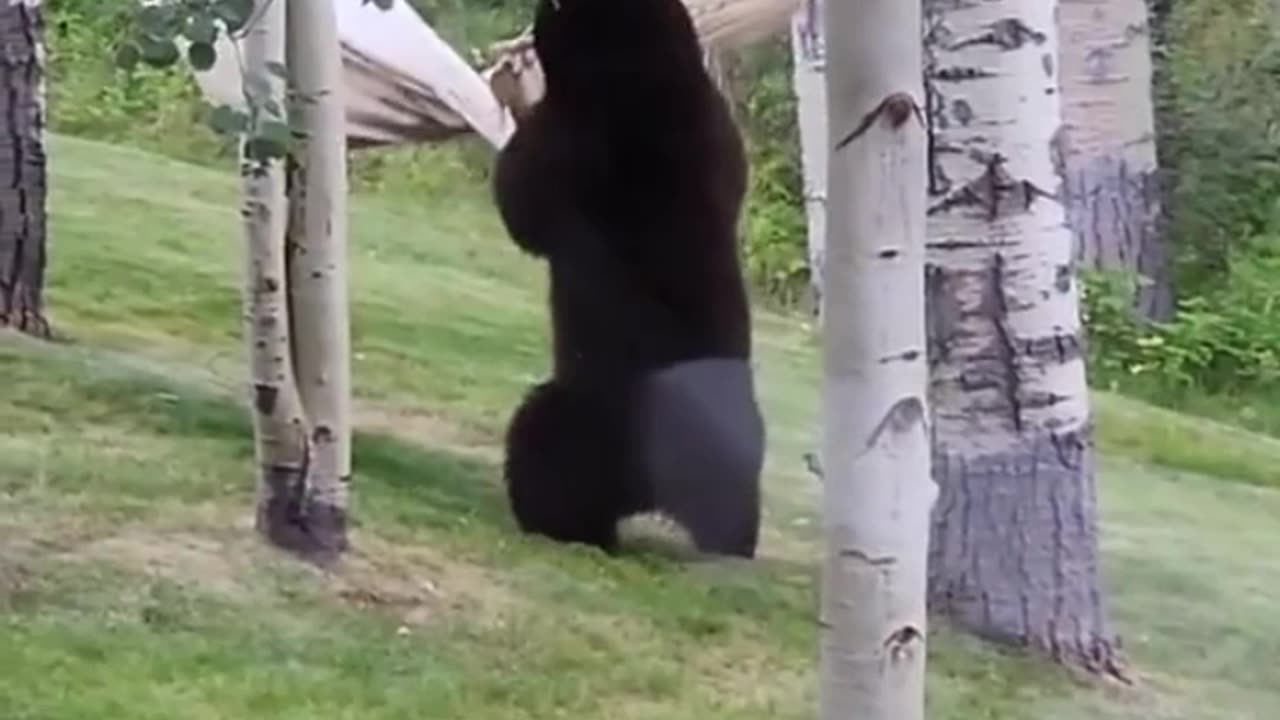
155,34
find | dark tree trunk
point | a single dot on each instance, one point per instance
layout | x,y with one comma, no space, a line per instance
22,167
1113,207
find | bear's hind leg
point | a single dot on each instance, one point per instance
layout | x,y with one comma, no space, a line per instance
564,460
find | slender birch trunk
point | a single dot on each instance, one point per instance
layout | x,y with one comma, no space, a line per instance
23,225
878,490
318,269
1109,169
1014,548
278,423
808,59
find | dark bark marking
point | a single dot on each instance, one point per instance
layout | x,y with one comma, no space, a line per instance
904,414
813,465
1006,33
903,642
970,244
995,189
904,356
874,561
960,74
888,254
322,434
1062,278
941,315
1006,352
897,108
935,120
264,398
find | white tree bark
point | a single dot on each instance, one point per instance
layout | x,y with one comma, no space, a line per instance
279,429
1014,548
318,269
808,58
1109,148
878,489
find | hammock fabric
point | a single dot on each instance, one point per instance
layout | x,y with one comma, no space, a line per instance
404,84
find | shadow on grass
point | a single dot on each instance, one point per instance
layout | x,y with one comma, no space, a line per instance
398,480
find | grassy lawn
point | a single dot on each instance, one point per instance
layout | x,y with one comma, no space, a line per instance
132,587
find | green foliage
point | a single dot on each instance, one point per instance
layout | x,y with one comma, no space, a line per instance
161,109
266,126
775,234
1218,112
1224,341
144,106
1218,107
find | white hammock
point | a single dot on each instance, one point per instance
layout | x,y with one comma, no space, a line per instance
404,84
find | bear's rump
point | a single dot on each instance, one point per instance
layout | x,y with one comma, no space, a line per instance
698,438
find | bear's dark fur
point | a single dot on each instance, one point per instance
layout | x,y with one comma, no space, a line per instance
628,177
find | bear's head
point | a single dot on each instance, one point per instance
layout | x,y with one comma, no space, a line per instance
606,47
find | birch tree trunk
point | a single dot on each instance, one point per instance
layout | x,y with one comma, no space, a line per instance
878,490
22,163
278,423
1014,547
1110,182
807,58
318,269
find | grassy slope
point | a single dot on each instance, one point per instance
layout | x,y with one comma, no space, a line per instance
131,586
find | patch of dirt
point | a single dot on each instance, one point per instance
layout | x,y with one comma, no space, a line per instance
224,556
431,431
417,583
183,558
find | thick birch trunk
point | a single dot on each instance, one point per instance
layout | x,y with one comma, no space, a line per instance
1014,548
1110,172
318,270
878,490
807,57
279,427
22,163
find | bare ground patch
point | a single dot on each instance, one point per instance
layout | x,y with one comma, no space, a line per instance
426,430
218,553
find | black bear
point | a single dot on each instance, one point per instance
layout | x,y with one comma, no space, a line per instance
628,177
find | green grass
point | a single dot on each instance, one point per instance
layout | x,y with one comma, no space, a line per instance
132,587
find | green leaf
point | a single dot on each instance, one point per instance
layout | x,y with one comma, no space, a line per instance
201,28
276,131
227,120
263,149
159,52
235,13
156,20
201,55
127,56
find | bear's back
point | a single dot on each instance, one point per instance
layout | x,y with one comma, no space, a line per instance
651,274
